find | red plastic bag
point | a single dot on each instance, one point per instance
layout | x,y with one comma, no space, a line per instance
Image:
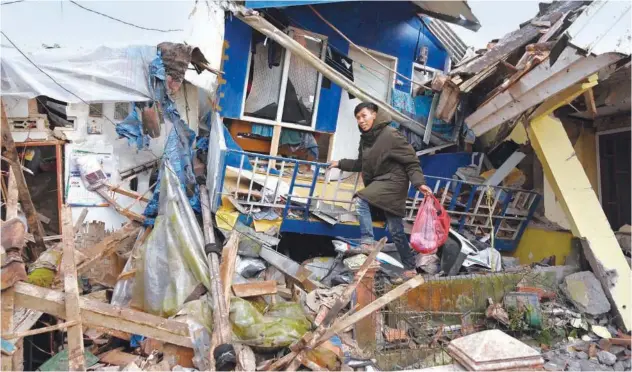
431,227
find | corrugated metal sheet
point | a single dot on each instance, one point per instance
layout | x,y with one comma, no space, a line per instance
603,27
454,45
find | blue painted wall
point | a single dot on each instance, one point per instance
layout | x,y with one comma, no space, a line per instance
237,37
259,4
392,28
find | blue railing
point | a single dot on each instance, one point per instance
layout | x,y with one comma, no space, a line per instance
481,209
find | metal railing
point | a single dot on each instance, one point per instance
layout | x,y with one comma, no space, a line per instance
478,208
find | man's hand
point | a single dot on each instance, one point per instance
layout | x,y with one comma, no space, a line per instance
425,190
333,164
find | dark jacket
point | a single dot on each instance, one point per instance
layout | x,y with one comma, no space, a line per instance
387,162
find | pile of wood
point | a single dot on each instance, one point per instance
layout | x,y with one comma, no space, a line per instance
68,290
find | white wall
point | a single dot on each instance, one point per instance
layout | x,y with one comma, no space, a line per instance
376,80
126,156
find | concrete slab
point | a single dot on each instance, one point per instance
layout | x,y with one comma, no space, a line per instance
586,293
494,350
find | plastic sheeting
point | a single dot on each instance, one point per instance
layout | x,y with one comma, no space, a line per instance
132,129
179,144
280,326
172,263
101,75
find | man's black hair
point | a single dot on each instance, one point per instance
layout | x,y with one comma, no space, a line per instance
365,105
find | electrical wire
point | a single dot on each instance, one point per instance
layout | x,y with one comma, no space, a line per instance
64,88
362,50
333,63
121,21
11,2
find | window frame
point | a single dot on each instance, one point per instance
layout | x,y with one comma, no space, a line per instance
129,109
422,68
284,79
391,58
100,114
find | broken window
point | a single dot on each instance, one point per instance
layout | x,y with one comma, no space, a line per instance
56,112
422,75
283,88
95,110
121,110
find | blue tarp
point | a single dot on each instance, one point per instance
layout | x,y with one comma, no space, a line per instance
132,129
178,146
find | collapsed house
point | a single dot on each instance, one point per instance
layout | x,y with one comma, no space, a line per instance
520,142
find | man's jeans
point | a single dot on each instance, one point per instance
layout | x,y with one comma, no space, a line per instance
395,228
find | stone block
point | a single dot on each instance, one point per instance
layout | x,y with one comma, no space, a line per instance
586,293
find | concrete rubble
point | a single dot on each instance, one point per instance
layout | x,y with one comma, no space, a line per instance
188,286
586,293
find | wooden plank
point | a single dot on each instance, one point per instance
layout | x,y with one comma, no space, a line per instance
379,303
38,331
12,196
227,266
222,332
340,303
118,357
60,183
108,245
514,40
539,84
35,226
274,145
40,143
101,315
43,219
82,217
254,289
127,193
76,360
7,323
102,191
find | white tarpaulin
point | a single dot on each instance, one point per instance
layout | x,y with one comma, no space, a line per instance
104,74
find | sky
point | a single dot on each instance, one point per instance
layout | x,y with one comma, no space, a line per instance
33,22
497,19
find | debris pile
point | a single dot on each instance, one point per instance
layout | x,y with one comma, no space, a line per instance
203,278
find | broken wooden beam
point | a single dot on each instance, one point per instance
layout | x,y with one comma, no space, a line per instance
8,305
102,315
379,303
102,191
222,332
39,331
253,289
35,226
118,357
82,217
130,194
227,265
338,305
76,360
108,245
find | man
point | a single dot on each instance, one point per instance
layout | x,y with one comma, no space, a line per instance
388,163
